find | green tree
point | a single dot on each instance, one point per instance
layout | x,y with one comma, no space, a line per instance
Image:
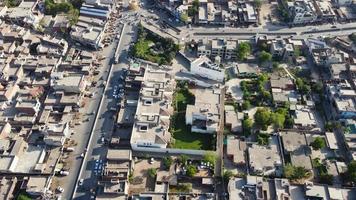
258,3
263,118
246,105
228,175
243,50
278,120
11,3
294,172
350,174
191,170
23,196
263,139
182,159
152,172
275,65
167,162
210,157
318,143
302,86
247,126
73,16
289,122
264,57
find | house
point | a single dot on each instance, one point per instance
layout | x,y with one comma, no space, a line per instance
338,71
232,121
246,12
346,108
295,146
235,150
301,11
151,125
304,117
322,54
204,67
324,11
255,187
37,185
116,171
204,115
68,84
282,50
246,70
204,49
264,160
55,134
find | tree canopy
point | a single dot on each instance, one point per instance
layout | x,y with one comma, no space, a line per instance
210,157
263,118
243,50
264,57
318,143
191,170
152,172
350,174
294,172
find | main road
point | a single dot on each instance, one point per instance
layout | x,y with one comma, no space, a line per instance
104,121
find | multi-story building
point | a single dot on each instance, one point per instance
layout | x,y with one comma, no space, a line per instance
204,115
301,11
204,67
150,129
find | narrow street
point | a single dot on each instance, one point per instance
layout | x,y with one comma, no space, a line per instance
219,167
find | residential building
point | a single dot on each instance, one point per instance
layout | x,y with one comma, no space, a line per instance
204,67
324,10
150,129
301,11
246,12
296,148
116,172
304,117
322,54
232,119
204,115
235,150
264,160
69,84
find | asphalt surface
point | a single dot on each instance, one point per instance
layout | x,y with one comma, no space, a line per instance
105,122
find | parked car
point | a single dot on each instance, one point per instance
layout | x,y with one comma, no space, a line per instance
80,182
59,189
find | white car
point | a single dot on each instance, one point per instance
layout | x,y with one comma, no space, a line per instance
80,182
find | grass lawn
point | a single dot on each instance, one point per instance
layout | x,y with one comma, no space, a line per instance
184,138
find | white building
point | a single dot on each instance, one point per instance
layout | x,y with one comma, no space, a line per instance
204,67
302,11
151,124
204,115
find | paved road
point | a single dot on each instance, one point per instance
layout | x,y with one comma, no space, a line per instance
82,132
219,167
104,123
